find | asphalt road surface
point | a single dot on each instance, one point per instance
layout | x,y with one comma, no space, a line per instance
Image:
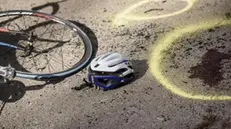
180,50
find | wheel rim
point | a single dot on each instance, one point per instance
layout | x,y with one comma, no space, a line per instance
44,57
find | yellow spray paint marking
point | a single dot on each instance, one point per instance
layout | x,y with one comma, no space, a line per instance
166,41
124,17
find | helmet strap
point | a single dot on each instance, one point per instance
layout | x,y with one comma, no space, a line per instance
87,84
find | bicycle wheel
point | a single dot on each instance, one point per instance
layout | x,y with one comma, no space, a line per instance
52,47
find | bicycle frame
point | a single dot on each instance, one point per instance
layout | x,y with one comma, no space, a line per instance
21,34
8,73
8,45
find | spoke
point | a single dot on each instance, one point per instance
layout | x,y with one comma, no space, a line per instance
56,46
42,35
38,25
18,26
45,31
39,44
62,57
77,44
52,67
23,61
13,20
7,22
57,60
34,63
50,34
9,19
31,24
54,58
24,23
48,61
36,41
53,55
60,62
56,30
38,18
62,49
46,50
30,20
51,49
48,65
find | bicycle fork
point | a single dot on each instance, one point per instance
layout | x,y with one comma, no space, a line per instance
7,73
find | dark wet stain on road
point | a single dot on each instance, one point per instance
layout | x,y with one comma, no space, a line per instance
209,69
208,121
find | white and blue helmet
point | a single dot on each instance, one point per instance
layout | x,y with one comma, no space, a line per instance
110,70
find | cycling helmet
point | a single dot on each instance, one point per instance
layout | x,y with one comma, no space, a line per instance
110,70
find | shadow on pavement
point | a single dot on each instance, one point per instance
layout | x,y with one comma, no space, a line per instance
15,90
140,67
90,34
55,6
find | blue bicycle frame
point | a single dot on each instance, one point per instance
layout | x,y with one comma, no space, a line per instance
8,45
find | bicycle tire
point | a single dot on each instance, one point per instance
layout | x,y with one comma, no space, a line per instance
84,61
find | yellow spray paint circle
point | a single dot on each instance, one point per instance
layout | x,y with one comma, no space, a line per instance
166,41
124,17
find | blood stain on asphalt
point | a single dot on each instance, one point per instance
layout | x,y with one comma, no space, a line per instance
209,69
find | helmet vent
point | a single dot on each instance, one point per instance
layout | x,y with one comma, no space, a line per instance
121,70
129,75
124,61
96,65
130,67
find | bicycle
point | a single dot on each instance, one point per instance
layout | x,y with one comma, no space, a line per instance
23,44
